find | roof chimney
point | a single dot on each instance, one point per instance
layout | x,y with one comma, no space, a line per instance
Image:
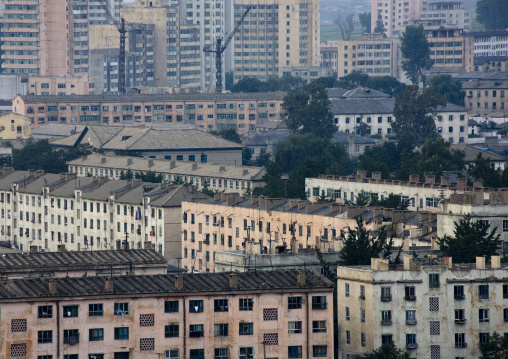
129,161
361,173
150,163
61,248
300,278
495,262
414,178
147,245
407,261
108,285
222,169
461,184
33,249
245,172
233,281
125,245
103,159
172,164
448,262
480,262
446,181
52,286
194,166
376,175
179,282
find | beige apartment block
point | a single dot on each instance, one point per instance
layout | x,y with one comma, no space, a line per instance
276,35
217,177
58,85
422,196
106,263
484,97
445,13
243,111
374,55
430,308
450,47
35,36
396,14
91,213
14,126
284,314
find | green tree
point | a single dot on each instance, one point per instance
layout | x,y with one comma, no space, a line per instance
249,85
346,25
229,134
471,239
380,27
229,80
246,157
386,351
353,80
449,88
386,84
309,111
492,14
149,176
364,18
414,123
360,245
495,348
383,158
391,201
262,160
327,82
206,190
482,168
416,53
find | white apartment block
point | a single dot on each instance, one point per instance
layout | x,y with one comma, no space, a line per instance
396,14
490,43
447,13
430,308
47,210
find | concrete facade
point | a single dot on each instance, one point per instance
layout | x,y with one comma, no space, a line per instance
484,97
187,316
491,43
396,15
447,13
58,85
14,126
450,47
429,308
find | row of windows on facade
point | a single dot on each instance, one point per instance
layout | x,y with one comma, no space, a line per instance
486,105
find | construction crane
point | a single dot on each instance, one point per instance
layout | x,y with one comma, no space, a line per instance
219,49
121,27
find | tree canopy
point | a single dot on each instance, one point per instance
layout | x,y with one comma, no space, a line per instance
284,83
346,25
414,123
482,168
360,245
309,111
386,351
386,84
380,27
364,18
471,239
229,134
492,14
449,88
416,53
495,348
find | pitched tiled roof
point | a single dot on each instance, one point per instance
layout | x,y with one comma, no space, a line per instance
484,84
164,285
377,106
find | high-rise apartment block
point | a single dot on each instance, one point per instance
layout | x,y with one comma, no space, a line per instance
396,14
450,47
445,13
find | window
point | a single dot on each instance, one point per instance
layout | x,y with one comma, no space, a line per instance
45,311
362,292
319,302
196,330
295,327
246,304
171,306
362,315
73,356
483,291
294,302
435,328
363,339
246,328
484,337
483,315
348,337
96,334
319,326
220,305
172,354
45,336
434,304
121,308
460,340
411,341
346,289
386,339
295,351
221,353
172,331
70,311
505,291
458,292
460,316
386,317
348,314
410,293
95,310
195,306
434,280
246,353
197,354
386,295
122,333
221,330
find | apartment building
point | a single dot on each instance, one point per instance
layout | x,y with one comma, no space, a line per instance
446,13
450,47
216,177
47,210
14,126
275,35
58,85
329,57
351,114
490,43
396,15
430,308
422,196
105,263
374,55
484,97
284,314
243,111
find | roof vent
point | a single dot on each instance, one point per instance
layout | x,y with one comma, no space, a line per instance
125,138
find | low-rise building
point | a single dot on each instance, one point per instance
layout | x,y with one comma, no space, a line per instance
430,308
91,213
490,43
181,143
279,314
329,56
242,111
487,96
63,263
14,126
58,85
217,177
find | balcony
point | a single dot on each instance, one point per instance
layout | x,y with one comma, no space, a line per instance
460,345
411,346
386,322
460,321
318,305
459,297
362,296
410,298
411,321
386,298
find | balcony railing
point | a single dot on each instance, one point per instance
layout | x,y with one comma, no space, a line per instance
386,298
460,345
411,298
386,322
460,321
411,345
72,340
459,297
411,321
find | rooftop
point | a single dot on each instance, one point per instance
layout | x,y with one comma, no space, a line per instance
164,285
490,75
137,98
485,84
272,137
